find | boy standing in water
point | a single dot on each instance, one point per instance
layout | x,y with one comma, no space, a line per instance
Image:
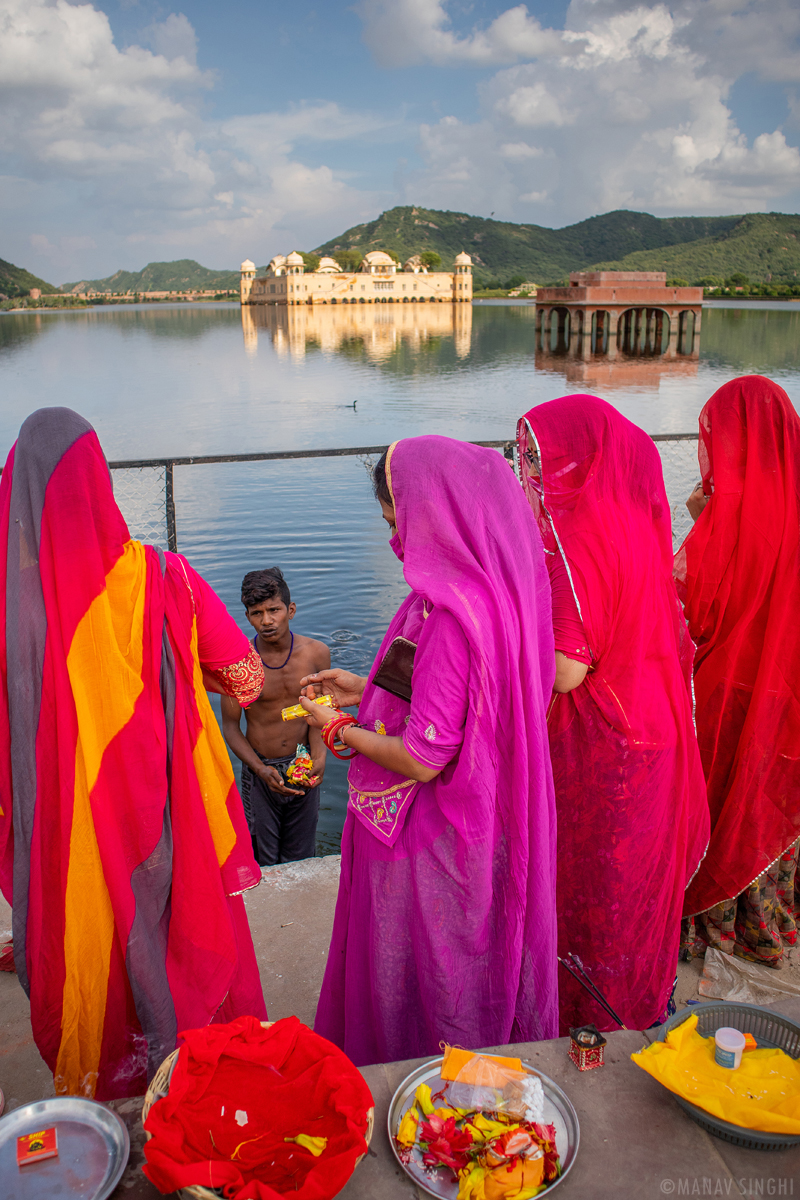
282,816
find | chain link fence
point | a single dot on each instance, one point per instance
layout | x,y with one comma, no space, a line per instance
141,493
681,474
144,493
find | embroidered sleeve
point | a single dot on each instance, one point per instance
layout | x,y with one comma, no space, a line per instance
242,680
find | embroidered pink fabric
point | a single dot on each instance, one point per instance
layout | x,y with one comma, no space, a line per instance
632,811
445,922
230,664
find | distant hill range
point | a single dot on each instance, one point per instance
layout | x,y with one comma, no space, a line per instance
181,276
15,281
763,246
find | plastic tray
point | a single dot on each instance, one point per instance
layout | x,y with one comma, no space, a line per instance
770,1030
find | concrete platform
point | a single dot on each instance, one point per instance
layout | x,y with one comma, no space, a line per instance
635,1141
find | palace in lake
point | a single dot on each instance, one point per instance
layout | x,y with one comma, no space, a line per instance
379,280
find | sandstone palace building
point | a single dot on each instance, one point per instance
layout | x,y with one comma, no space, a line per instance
378,281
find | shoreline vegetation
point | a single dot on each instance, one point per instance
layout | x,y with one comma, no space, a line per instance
755,255
62,303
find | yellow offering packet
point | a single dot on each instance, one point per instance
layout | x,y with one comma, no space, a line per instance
763,1093
468,1067
297,710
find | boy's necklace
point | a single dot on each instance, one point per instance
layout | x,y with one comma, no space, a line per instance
288,656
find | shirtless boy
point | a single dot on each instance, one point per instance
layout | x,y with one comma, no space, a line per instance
282,817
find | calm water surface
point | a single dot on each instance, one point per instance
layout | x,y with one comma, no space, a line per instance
214,379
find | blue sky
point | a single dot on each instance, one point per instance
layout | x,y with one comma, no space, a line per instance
133,131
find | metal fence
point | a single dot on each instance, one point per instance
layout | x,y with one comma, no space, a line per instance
144,488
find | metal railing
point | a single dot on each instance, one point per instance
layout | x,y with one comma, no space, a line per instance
145,487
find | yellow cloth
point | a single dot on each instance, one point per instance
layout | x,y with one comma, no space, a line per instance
763,1093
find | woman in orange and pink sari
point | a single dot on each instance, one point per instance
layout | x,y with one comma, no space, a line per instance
123,845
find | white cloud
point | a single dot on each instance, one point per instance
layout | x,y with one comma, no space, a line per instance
400,33
627,106
124,133
174,38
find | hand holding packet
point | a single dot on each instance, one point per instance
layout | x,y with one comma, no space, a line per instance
297,710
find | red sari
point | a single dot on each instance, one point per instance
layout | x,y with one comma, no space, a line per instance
738,572
123,845
630,796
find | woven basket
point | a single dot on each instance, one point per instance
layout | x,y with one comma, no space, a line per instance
159,1086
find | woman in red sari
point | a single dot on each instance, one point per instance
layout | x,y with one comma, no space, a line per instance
123,845
632,812
738,573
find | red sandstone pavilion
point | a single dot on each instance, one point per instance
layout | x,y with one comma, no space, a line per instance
602,312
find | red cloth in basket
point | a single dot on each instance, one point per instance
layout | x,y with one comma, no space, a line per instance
240,1089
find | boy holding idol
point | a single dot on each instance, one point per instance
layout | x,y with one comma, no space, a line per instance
281,809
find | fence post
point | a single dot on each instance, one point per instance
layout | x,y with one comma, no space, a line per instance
169,490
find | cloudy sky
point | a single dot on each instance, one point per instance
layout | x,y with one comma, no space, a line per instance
130,132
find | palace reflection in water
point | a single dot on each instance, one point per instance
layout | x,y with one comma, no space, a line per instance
379,329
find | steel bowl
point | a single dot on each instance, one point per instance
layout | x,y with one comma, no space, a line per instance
558,1111
93,1149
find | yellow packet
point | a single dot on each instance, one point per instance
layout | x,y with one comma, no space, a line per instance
297,710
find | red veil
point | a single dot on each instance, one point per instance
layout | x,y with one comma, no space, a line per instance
632,812
739,574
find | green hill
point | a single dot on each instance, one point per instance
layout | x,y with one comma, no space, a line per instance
760,245
15,281
763,246
183,275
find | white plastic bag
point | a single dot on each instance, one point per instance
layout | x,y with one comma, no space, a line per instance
735,979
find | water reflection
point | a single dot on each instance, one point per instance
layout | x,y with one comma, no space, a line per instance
616,372
377,331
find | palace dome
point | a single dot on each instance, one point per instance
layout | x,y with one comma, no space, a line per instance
294,259
377,258
463,260
328,264
247,265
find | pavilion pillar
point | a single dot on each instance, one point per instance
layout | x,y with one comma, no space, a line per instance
575,329
659,330
613,328
586,340
674,329
637,330
695,348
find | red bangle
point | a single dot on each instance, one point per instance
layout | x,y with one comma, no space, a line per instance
330,731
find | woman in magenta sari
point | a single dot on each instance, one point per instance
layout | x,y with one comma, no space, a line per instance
445,921
632,812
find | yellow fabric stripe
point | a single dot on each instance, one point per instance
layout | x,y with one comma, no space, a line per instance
105,671
212,766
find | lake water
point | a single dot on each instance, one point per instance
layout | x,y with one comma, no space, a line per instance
200,379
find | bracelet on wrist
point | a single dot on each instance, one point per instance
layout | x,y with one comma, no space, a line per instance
331,735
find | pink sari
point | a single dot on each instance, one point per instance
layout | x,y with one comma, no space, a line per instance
445,922
632,811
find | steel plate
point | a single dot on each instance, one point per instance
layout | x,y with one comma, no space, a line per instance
93,1149
558,1111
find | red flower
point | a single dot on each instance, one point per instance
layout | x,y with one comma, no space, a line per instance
443,1144
546,1135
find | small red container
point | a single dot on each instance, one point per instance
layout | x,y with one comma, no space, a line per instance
587,1047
